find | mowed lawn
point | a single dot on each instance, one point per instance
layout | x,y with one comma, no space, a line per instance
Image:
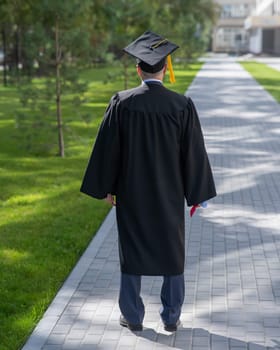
268,77
45,222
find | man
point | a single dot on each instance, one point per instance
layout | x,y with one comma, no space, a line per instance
150,154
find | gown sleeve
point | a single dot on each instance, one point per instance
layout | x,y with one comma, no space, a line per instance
101,174
198,180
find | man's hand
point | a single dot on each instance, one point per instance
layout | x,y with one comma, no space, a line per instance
110,199
194,207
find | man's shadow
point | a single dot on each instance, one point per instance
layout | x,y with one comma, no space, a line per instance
195,338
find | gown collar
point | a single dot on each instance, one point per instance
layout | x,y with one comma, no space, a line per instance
152,81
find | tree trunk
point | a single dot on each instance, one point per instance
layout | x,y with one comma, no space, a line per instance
4,40
17,53
58,92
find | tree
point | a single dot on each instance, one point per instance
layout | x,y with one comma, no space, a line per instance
6,20
127,20
188,23
46,37
15,17
64,40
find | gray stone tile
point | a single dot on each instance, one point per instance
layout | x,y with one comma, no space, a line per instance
71,345
56,339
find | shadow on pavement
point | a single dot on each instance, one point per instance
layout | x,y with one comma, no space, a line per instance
198,338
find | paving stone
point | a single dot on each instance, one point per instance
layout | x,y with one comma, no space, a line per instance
255,347
128,340
56,339
236,343
71,345
219,345
272,322
272,331
108,344
201,341
91,339
236,331
63,328
87,347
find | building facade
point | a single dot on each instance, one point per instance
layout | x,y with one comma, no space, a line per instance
263,26
229,34
248,26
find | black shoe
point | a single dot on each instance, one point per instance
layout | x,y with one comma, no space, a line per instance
172,327
132,327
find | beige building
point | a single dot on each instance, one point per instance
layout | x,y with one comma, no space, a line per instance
248,26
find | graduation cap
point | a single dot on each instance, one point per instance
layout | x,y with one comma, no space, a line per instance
151,51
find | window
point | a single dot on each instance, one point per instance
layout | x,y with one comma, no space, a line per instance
235,11
231,38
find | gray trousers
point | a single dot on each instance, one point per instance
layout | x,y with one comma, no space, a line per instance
172,298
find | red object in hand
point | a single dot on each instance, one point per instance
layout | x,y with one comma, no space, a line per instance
193,209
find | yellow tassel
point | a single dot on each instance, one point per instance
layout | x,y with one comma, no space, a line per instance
170,68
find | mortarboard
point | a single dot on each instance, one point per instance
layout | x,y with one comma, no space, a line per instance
151,51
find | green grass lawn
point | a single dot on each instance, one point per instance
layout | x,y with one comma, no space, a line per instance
45,223
268,77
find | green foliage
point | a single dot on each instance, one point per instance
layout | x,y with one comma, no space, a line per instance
45,222
39,40
268,77
127,19
35,120
188,23
44,38
96,31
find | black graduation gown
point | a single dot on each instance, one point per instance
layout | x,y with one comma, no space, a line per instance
150,153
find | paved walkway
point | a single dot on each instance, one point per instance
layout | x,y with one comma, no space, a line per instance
232,251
